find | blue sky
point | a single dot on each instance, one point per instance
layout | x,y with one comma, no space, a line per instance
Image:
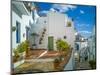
83,15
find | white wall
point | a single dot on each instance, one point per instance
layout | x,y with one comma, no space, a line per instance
92,46
56,25
84,44
43,23
15,18
38,29
24,21
58,28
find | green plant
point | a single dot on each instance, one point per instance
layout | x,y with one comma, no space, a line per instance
69,24
16,55
22,47
13,28
92,64
62,45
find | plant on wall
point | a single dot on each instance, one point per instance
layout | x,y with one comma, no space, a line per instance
13,28
69,24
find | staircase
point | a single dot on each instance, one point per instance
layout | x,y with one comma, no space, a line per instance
42,36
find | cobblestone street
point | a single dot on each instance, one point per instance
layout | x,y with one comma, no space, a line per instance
83,65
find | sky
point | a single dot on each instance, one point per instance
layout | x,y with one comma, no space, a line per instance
84,16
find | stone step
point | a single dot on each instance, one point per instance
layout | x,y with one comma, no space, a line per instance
40,60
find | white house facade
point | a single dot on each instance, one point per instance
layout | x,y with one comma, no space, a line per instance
92,45
48,29
42,32
21,20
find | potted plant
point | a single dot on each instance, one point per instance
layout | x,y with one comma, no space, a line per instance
22,47
56,63
92,64
13,28
62,45
63,48
16,56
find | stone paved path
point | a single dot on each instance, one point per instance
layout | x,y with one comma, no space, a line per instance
83,66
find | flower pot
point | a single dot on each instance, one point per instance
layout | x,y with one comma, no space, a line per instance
56,63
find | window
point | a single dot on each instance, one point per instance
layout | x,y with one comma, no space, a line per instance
65,37
18,31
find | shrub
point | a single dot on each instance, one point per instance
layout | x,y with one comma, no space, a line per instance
16,55
62,45
92,64
22,47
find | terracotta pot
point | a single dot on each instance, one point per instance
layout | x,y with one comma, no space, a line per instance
56,63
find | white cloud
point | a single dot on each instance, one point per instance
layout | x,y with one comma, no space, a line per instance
59,7
63,7
71,6
82,12
83,25
85,32
44,12
52,9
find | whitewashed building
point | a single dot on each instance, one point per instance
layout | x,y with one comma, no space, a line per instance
56,27
47,29
21,21
92,45
42,32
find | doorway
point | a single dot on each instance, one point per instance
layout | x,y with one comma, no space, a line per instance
50,43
